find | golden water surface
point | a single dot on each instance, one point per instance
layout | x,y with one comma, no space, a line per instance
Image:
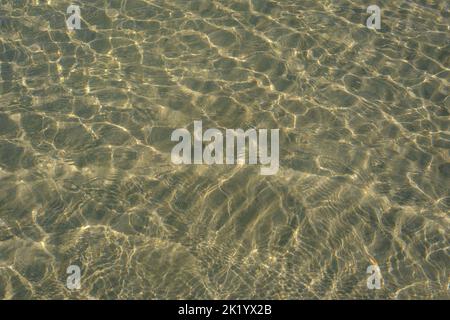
86,177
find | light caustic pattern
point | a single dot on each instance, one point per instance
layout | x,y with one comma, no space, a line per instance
86,178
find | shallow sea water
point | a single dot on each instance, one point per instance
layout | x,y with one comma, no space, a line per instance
85,171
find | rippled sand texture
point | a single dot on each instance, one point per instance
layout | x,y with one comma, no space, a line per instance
86,176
